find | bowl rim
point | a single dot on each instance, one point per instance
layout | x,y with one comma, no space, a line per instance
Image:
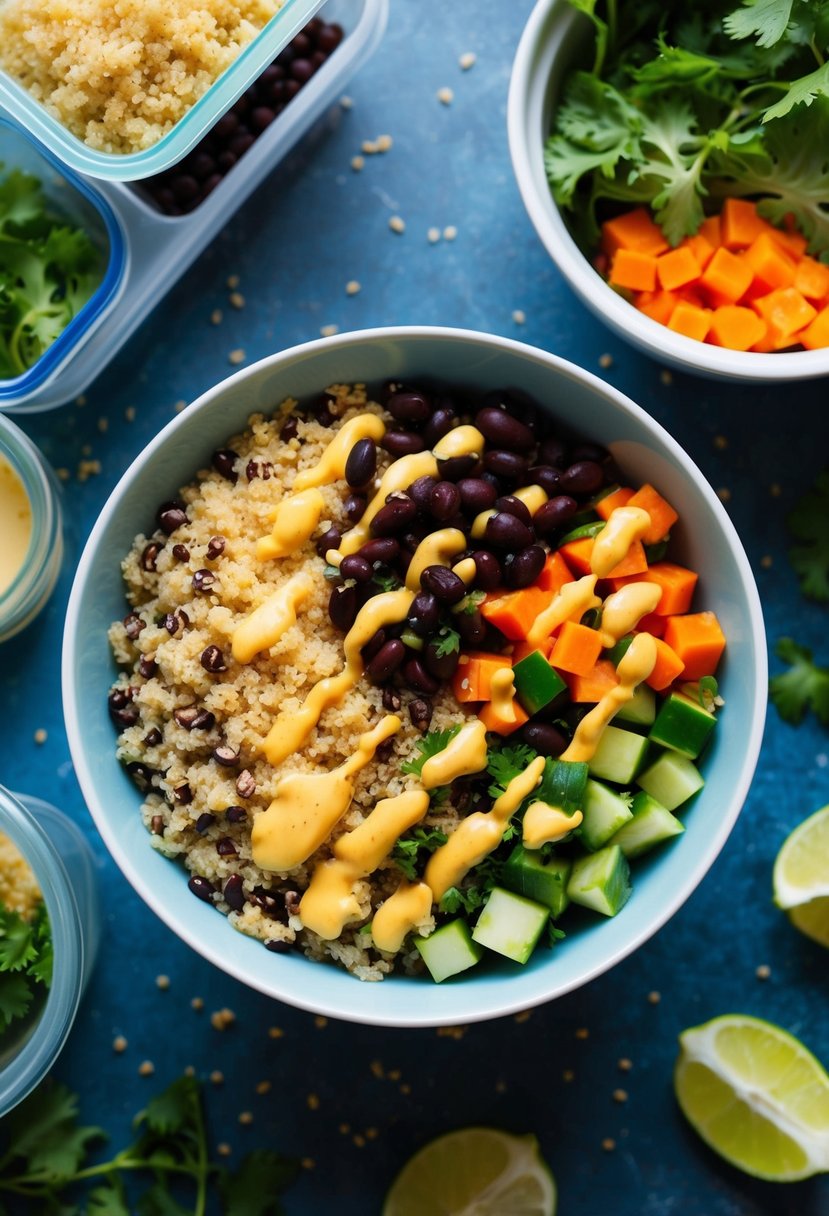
474,1010
534,67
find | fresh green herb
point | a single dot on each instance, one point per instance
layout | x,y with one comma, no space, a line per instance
449,642
804,686
470,602
330,572
432,743
708,692
505,761
385,579
554,934
25,962
48,271
809,524
462,899
408,849
45,1152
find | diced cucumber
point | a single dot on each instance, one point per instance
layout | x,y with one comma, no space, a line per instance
604,813
581,531
619,755
672,779
601,881
562,784
449,950
682,725
640,710
527,872
510,924
651,824
617,653
536,682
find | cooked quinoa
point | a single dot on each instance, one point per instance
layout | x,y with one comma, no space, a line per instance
19,890
120,74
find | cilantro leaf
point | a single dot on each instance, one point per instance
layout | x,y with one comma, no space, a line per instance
674,164
801,92
809,523
470,602
504,762
596,129
44,1134
406,853
255,1188
804,686
765,20
17,946
15,998
432,743
173,1109
108,1200
449,642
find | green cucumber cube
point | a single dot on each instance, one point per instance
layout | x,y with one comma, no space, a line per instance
640,710
672,779
449,950
527,872
510,924
536,682
601,881
563,783
682,725
618,756
604,813
651,824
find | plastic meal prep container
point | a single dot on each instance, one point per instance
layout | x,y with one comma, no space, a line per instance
149,251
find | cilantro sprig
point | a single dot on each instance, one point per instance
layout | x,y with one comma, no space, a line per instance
408,849
25,962
430,745
804,686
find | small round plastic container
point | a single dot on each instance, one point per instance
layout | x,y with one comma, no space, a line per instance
35,580
64,867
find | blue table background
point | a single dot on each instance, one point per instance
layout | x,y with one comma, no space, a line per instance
315,225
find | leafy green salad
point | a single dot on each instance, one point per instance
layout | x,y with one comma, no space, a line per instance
25,963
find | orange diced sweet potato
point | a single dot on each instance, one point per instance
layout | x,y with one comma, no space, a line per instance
791,240
663,516
633,230
698,642
677,585
576,649
667,668
690,320
503,724
816,335
701,247
740,224
605,507
473,675
711,230
677,268
735,327
726,277
633,269
658,305
785,311
593,686
577,554
811,279
514,611
554,574
771,265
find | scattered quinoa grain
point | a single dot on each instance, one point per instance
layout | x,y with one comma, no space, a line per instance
308,1163
665,376
344,1129
450,232
103,425
568,1075
775,489
216,1077
767,561
359,1141
372,1133
224,1150
236,356
246,1118
312,1102
346,102
87,469
146,1068
395,1074
500,1087
405,1089
275,1032
376,1069
129,413
328,331
222,1018
608,1144
720,442
63,474
352,287
433,236
654,998
445,96
320,1022
523,1016
216,316
232,282
81,401
179,406
763,971
397,223
384,143
119,1044
582,1033
263,1087
162,982
724,494
236,299
605,360
624,1065
197,1003
369,146
358,163
519,316
467,60
40,736
620,1095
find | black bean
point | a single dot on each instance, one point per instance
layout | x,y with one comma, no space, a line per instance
157,825
444,501
443,583
226,848
245,784
471,626
505,430
424,614
191,717
171,515
590,451
183,795
440,665
391,699
141,774
443,420
456,467
291,901
236,814
409,407
420,491
342,608
215,547
225,755
149,556
544,738
476,494
394,517
174,621
354,507
546,476
506,464
383,549
213,660
224,461
418,678
147,666
329,540
402,443
329,37
488,569
582,477
420,712
201,887
525,567
289,428
204,822
234,893
361,464
153,737
321,409
356,567
506,531
277,946
553,451
203,580
121,709
514,506
133,625
374,645
549,517
386,662
181,553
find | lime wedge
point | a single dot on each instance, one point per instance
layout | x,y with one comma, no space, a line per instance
476,1171
756,1096
801,876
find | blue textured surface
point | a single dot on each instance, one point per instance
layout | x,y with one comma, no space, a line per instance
313,227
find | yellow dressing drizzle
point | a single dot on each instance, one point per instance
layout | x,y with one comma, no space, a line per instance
403,911
569,604
465,569
545,824
15,524
623,610
307,806
437,549
398,476
267,623
293,522
532,497
331,465
464,754
478,834
636,665
462,441
623,527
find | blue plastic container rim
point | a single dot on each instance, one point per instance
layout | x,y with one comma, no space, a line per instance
63,346
185,134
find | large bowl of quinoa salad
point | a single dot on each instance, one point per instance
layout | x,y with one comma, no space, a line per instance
277,666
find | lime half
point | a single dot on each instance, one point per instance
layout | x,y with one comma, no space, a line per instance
756,1096
801,876
477,1171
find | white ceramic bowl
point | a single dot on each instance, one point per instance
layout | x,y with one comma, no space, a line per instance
705,540
549,47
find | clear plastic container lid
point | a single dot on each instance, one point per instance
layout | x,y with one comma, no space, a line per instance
15,99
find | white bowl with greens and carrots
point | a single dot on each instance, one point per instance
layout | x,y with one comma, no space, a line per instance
672,160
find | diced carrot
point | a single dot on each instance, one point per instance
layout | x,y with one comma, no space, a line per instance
473,675
652,623
773,341
663,516
785,311
577,554
658,305
667,667
633,269
676,582
735,327
811,279
791,240
593,686
711,230
698,642
633,230
576,648
500,723
691,321
771,265
740,224
701,247
514,611
520,650
726,277
617,498
816,335
554,574
676,268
